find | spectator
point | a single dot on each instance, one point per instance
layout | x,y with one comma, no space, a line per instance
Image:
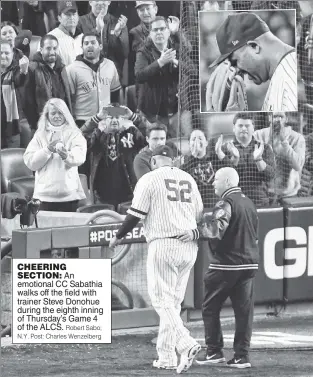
112,31
14,71
47,79
147,12
34,16
306,66
94,81
113,143
253,160
9,32
289,149
157,72
20,40
56,150
156,136
67,33
201,165
307,171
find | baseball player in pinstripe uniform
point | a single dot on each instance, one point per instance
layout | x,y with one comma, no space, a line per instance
233,240
169,203
247,44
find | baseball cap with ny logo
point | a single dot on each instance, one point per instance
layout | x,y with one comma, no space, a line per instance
65,6
236,31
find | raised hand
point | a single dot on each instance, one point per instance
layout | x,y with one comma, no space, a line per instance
52,145
62,151
173,24
167,56
219,144
283,134
24,63
103,127
233,150
258,151
99,21
121,24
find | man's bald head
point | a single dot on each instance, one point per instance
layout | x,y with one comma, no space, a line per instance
225,178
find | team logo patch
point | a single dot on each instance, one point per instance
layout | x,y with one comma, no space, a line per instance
220,213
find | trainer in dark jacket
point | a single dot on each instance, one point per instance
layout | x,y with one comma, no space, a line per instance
232,232
233,242
45,81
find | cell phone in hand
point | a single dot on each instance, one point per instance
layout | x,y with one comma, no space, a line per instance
115,111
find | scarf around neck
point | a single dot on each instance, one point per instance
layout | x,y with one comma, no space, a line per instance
10,103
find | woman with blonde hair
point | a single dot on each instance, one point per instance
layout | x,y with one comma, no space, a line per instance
55,152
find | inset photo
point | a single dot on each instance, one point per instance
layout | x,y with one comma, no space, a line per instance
248,61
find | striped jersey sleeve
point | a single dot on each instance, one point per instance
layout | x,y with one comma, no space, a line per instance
142,199
197,199
282,93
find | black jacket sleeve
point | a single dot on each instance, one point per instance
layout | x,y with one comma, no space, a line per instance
216,226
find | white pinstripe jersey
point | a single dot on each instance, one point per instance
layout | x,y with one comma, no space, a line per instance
282,93
69,47
168,201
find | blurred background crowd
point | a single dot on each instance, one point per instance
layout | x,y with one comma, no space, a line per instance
90,88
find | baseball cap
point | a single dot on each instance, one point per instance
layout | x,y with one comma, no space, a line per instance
139,3
163,150
65,6
236,31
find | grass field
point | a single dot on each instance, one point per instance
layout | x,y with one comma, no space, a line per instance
133,356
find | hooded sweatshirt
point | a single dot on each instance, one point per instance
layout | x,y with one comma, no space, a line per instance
91,85
56,180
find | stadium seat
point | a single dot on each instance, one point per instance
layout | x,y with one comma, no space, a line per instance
12,167
95,207
24,186
130,96
123,207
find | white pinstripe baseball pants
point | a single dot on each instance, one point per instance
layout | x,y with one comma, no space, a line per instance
168,268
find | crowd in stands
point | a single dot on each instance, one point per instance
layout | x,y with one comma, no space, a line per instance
92,87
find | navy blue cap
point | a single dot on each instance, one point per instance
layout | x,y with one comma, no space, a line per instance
236,31
163,150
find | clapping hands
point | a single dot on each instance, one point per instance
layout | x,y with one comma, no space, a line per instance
121,24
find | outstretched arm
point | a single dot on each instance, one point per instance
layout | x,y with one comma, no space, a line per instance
214,227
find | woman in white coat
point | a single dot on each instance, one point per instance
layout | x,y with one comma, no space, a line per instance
55,152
